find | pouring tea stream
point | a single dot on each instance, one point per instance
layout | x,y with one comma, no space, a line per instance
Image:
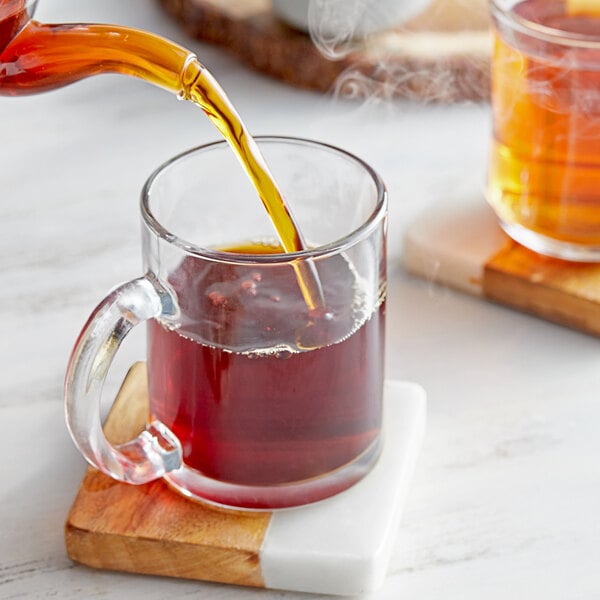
37,57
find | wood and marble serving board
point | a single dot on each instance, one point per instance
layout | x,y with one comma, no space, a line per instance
462,246
441,55
338,546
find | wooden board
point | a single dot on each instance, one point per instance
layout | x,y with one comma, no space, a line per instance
341,545
441,55
464,247
150,529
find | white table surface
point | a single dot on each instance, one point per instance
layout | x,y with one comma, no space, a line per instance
505,500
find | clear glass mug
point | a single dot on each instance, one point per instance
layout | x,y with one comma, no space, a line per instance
255,401
544,176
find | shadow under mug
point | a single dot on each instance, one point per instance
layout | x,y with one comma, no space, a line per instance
255,401
544,176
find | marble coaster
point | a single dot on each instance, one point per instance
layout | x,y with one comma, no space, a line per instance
341,545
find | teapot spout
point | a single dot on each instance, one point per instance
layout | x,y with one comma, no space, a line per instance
14,15
41,57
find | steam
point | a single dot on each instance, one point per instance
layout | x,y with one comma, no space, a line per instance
430,50
413,81
337,27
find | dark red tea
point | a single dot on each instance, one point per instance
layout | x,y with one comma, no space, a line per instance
258,391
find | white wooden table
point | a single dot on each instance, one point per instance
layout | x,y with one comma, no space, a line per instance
506,495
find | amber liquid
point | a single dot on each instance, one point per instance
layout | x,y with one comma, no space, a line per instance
249,404
35,57
545,161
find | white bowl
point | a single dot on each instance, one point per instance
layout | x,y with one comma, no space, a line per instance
347,18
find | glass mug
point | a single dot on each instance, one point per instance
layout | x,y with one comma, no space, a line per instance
544,176
255,401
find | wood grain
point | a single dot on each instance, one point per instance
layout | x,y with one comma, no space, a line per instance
441,55
562,292
150,528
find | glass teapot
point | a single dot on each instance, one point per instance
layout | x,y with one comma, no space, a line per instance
36,57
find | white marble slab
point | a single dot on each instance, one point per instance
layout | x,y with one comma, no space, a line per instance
343,545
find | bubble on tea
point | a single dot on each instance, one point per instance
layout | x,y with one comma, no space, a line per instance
316,332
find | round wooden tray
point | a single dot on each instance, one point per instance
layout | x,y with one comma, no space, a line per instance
443,55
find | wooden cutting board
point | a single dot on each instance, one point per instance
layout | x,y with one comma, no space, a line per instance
441,55
462,246
338,546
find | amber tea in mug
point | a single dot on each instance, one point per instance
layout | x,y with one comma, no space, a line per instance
544,175
269,411
257,398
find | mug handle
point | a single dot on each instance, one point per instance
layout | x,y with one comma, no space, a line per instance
156,450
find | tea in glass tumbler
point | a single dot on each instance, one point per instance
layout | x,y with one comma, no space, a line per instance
544,175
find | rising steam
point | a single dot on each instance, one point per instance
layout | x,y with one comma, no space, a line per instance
432,50
337,27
